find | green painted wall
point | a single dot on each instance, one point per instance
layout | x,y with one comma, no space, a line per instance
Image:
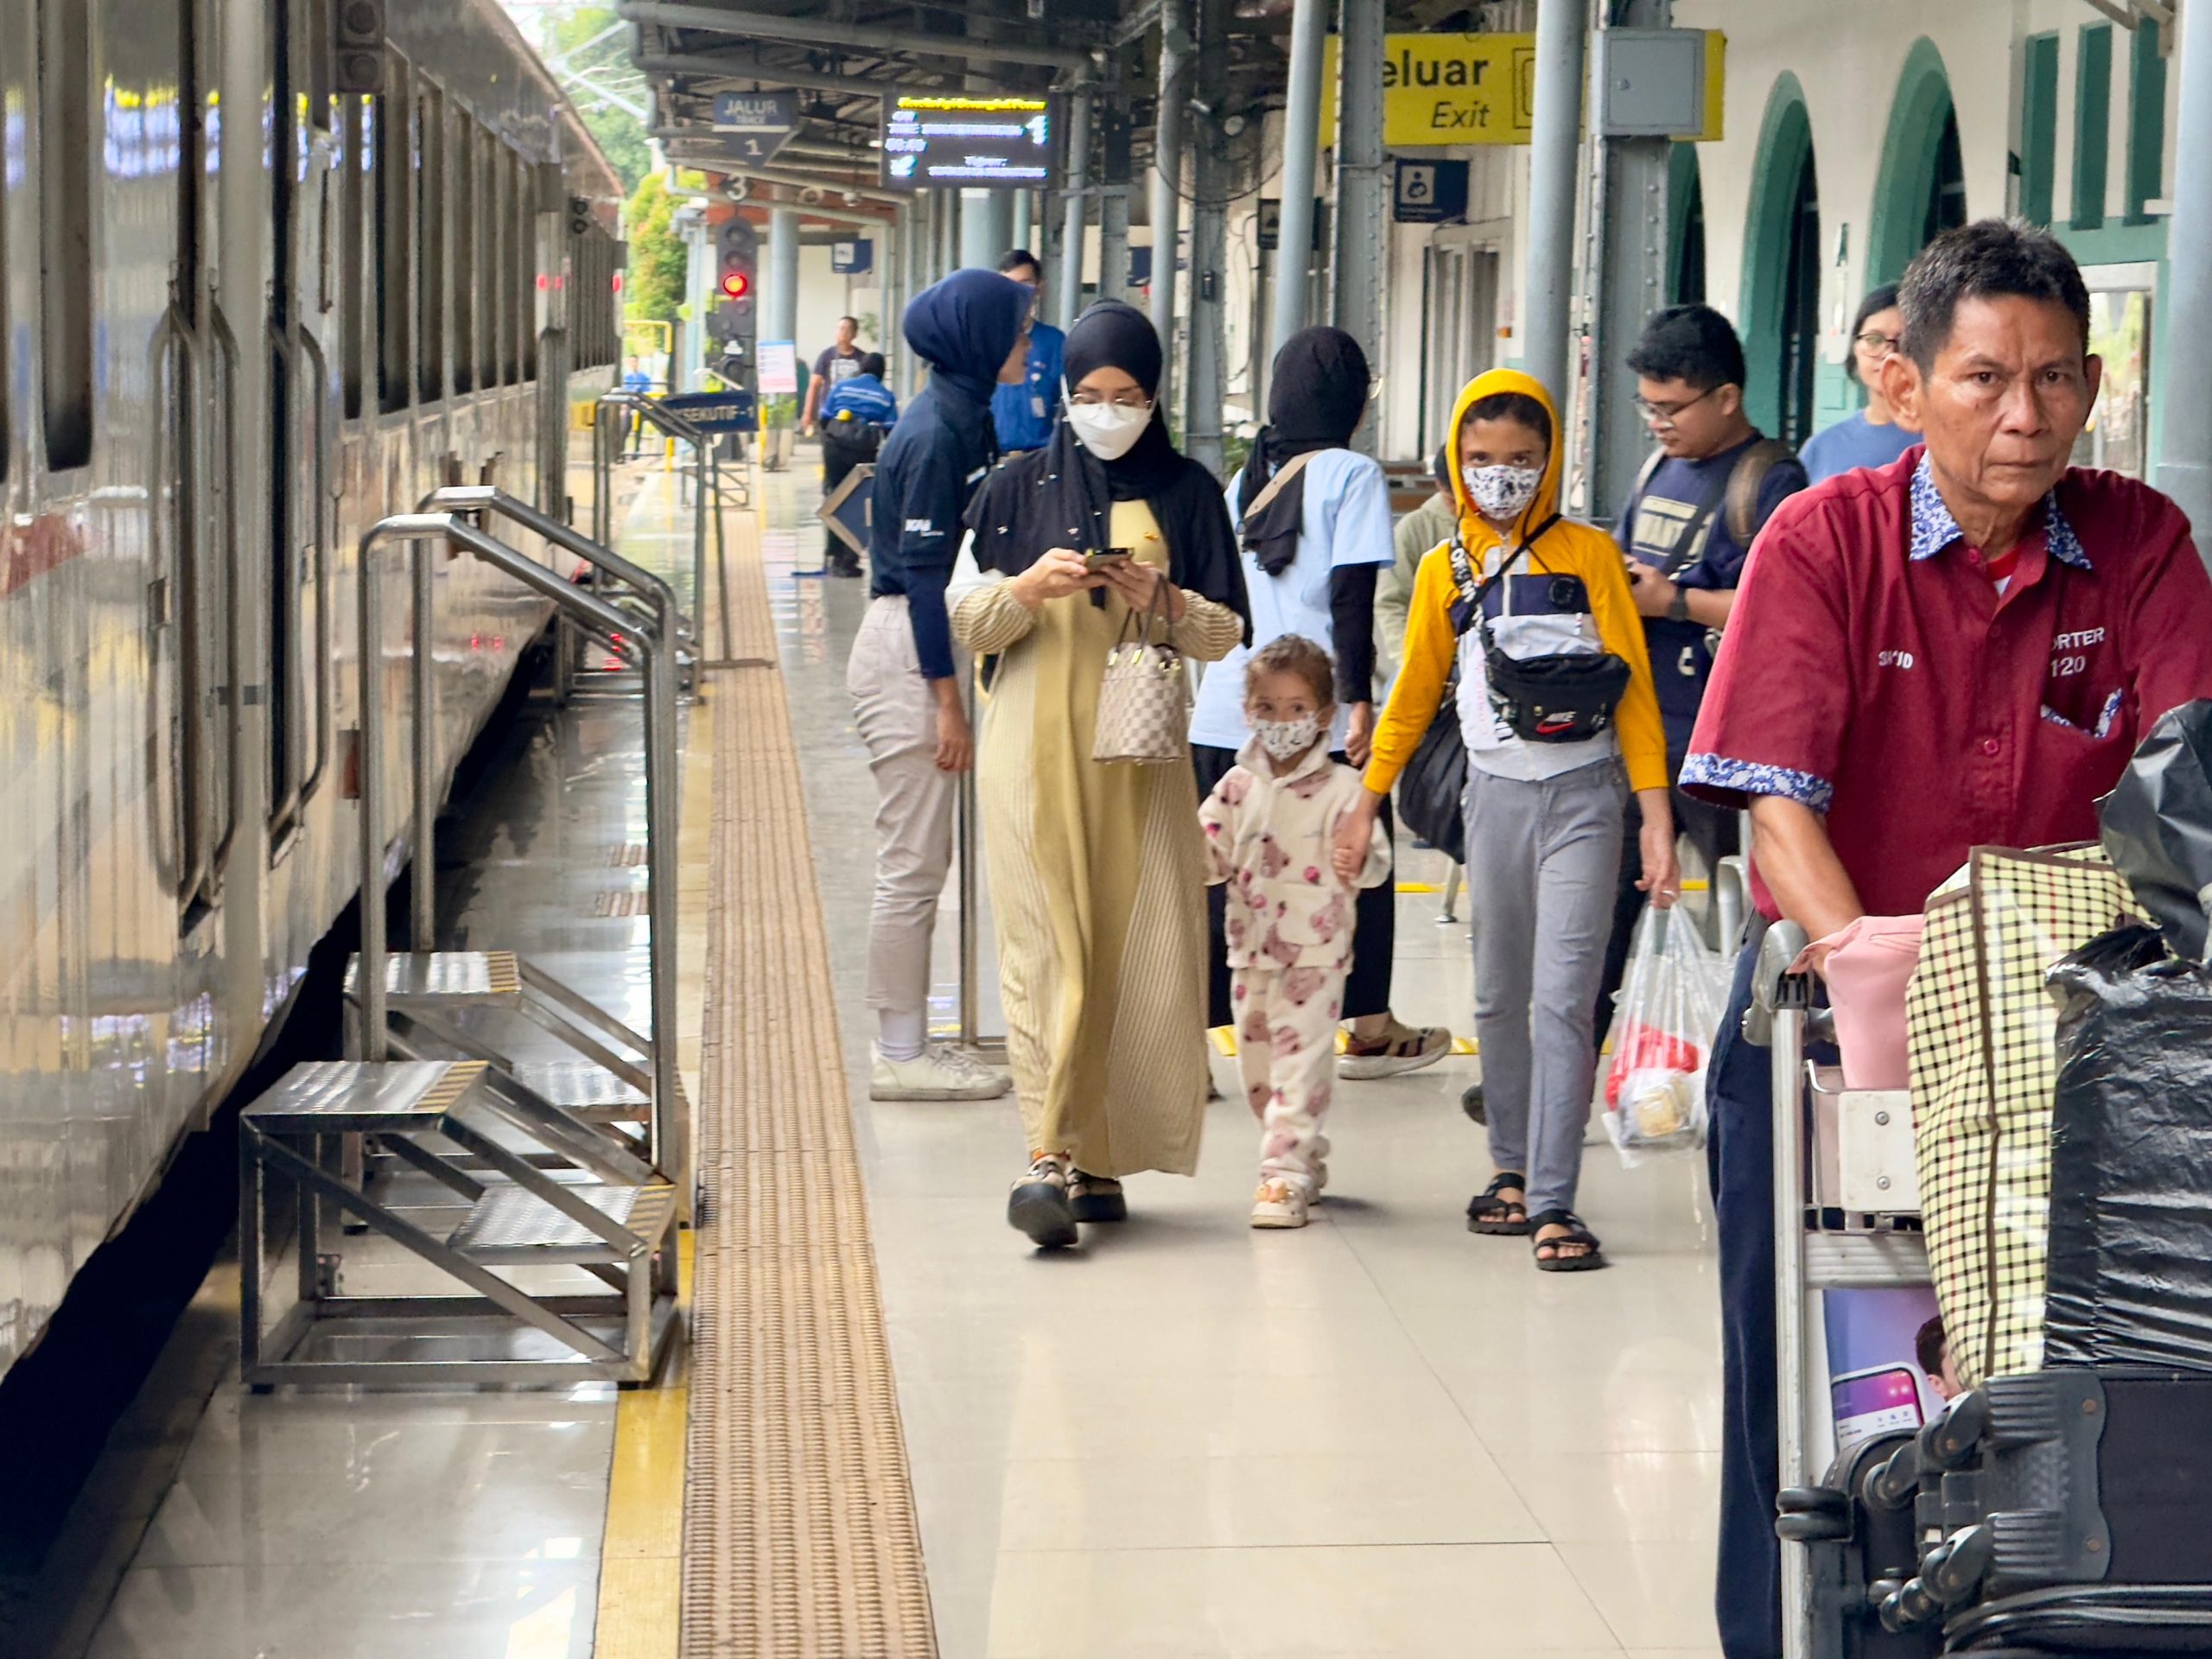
2039,130
2092,125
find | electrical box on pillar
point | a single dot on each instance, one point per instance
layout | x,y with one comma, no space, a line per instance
735,315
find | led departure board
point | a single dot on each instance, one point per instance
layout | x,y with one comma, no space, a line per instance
969,143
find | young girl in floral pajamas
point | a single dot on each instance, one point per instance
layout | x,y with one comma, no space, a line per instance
1271,829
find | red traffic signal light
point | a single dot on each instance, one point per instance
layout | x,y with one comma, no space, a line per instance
736,285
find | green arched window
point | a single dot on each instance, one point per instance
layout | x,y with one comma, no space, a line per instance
1921,188
1780,310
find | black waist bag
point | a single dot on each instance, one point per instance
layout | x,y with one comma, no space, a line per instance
1566,696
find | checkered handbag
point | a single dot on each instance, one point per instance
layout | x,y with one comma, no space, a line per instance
1982,1032
1144,698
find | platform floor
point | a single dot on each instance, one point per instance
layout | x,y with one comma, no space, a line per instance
1379,1436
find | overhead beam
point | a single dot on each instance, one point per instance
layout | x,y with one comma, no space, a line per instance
821,31
797,178
747,65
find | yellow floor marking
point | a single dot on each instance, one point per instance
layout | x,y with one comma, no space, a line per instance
641,1552
1418,886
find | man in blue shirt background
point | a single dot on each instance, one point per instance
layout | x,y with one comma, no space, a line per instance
1023,414
854,418
1702,499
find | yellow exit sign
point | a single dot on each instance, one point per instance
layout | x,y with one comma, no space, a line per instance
1472,89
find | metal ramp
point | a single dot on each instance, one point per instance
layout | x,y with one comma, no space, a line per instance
616,1226
549,1181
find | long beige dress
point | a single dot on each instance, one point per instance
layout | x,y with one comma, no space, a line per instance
1097,882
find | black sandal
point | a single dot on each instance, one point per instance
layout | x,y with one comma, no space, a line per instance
1500,1217
1588,1259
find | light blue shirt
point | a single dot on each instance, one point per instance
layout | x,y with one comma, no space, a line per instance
1852,442
1345,519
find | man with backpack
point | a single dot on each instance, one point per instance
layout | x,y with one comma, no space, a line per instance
1699,502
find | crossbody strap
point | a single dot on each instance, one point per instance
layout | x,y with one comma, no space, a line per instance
1463,569
1284,473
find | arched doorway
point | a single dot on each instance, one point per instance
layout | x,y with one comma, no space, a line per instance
1780,312
1685,227
1922,187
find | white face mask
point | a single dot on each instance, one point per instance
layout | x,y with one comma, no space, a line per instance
1108,431
1502,492
1286,740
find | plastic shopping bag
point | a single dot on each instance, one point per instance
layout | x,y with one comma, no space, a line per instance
1669,1013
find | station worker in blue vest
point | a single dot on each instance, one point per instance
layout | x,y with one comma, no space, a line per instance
1023,412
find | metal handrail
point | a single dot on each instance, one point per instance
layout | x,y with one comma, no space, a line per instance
705,488
670,1147
488,498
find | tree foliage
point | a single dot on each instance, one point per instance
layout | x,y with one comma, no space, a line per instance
586,66
654,287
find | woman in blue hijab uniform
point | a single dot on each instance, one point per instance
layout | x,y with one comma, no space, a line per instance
972,331
1097,873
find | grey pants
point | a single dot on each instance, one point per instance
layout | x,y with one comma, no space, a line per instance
896,712
1541,862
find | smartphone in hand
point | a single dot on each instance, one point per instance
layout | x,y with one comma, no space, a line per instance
1112,556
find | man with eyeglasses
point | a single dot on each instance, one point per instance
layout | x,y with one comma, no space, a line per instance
1701,500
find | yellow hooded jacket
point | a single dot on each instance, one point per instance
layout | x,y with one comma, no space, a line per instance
1566,548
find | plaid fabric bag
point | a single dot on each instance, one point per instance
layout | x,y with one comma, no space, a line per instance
1982,1032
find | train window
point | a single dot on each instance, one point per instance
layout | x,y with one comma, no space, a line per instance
519,266
359,117
66,184
466,241
394,262
534,271
430,289
488,290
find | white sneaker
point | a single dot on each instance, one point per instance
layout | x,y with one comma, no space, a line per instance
939,1073
1279,1203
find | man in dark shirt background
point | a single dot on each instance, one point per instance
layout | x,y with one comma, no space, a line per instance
1702,500
839,362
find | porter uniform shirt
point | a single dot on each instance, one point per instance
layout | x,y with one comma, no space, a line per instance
1874,672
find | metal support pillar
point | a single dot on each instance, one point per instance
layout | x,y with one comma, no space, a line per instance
1072,235
891,281
1624,281
1166,178
1205,385
1561,28
986,227
2185,439
1114,242
779,305
1301,150
944,253
687,353
1363,220
1025,221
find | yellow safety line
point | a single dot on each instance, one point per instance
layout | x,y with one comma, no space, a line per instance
640,1608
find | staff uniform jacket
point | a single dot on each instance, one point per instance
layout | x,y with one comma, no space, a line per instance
1528,625
1269,839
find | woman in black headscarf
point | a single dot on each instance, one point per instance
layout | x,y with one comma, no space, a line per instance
972,330
1097,872
1314,518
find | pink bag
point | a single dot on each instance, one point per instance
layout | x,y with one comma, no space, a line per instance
1868,970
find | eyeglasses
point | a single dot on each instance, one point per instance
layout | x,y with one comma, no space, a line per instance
1119,400
1662,416
1874,340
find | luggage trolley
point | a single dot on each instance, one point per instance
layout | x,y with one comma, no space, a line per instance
1846,1217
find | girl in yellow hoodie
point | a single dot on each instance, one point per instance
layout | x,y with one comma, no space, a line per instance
1544,818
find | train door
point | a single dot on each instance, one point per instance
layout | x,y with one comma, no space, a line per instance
302,427
195,527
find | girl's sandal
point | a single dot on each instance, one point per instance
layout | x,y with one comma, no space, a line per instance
1487,1212
1586,1259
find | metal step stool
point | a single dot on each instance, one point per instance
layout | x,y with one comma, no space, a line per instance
446,1120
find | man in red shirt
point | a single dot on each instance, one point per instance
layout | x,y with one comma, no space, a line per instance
1961,648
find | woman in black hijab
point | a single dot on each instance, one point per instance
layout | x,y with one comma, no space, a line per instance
1097,872
1313,516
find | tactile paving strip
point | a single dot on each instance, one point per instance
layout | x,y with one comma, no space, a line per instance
800,1537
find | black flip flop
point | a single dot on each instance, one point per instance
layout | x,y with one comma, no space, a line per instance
1590,1258
1499,1218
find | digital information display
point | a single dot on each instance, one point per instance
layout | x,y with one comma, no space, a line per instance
970,143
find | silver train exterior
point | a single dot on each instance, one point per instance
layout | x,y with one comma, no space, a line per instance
241,318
